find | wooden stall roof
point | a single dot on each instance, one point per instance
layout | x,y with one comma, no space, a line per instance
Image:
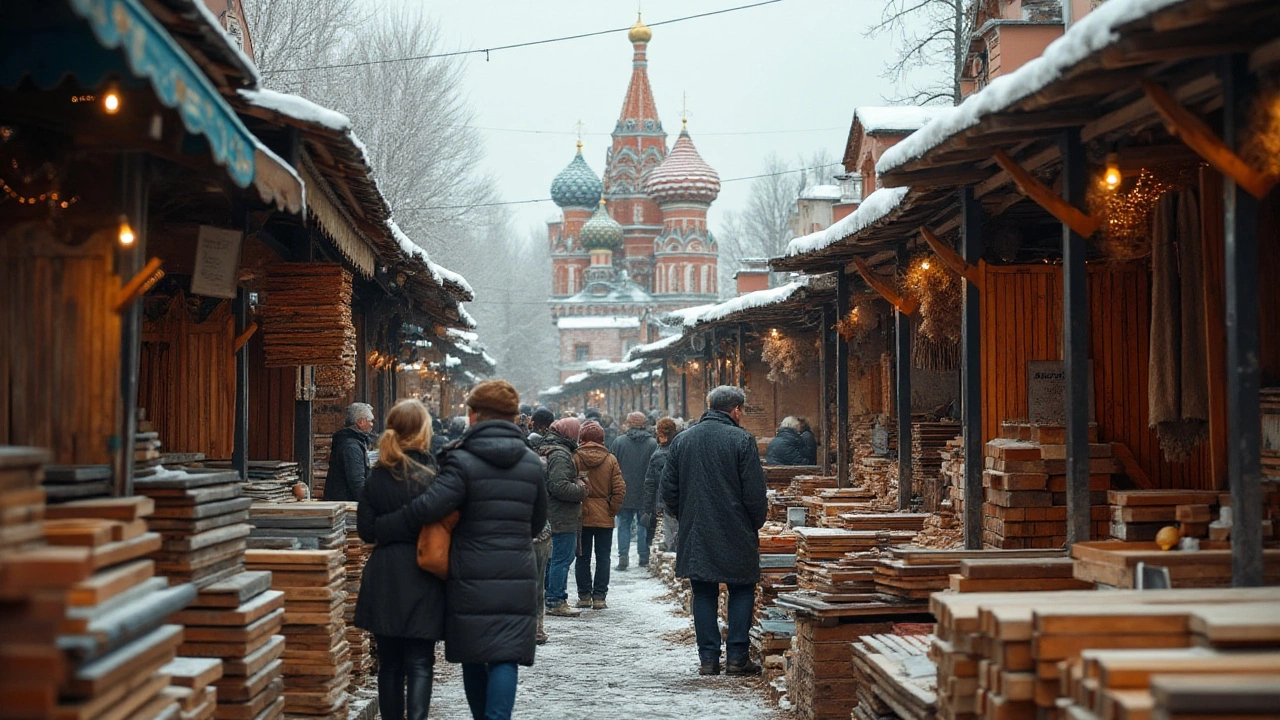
202,37
603,373
1090,78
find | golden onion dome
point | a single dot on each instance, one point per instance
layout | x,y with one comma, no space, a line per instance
640,33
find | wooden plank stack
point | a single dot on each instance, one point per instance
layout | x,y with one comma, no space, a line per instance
63,483
298,526
821,679
306,316
112,634
269,480
1017,575
1115,564
1137,515
1025,483
928,441
191,686
238,622
202,518
1270,398
317,659
896,678
359,640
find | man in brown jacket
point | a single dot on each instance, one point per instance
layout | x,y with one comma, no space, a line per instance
605,492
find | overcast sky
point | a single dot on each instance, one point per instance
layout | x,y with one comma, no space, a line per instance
796,68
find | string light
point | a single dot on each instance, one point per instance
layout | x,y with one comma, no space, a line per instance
111,102
1111,177
126,232
925,265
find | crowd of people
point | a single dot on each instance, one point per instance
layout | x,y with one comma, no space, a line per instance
527,495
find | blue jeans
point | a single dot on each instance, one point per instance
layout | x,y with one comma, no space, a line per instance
490,689
629,520
564,546
706,623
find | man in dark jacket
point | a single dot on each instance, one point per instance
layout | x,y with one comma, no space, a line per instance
349,455
633,450
714,485
496,483
540,424
810,442
564,510
787,447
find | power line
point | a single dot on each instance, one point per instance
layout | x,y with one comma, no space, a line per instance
487,51
542,200
602,134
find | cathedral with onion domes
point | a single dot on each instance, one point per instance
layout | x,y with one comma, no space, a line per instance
634,244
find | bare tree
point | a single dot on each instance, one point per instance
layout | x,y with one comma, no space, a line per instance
296,34
930,34
766,221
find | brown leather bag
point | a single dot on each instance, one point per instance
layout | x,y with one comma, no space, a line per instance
433,545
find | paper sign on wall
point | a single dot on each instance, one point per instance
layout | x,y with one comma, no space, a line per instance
217,262
1047,391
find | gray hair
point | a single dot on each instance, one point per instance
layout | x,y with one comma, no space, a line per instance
359,411
725,398
791,422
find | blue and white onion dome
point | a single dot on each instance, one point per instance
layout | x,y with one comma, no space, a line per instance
601,232
577,186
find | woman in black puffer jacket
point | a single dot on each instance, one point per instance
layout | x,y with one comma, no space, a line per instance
496,482
401,604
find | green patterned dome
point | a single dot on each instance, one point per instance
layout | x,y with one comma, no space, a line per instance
577,185
601,232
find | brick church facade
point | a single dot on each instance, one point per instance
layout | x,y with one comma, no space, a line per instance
635,244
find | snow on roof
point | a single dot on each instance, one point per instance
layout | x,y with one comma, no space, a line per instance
442,275
595,322
465,317
902,118
821,192
1091,34
575,379
298,108
687,317
654,346
213,21
553,390
757,299
874,207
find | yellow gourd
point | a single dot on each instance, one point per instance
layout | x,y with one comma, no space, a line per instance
1168,537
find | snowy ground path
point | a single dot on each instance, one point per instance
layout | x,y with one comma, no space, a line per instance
635,659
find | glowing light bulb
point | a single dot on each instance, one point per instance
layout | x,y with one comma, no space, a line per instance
126,232
1111,176
925,265
111,103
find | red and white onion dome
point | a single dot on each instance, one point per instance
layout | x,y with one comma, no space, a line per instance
683,176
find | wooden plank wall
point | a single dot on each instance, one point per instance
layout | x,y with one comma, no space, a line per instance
271,407
187,379
60,338
1022,321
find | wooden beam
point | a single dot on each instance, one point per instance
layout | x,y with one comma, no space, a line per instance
946,176
971,370
1199,137
906,306
1215,311
243,337
902,362
139,284
952,259
1075,341
1037,120
842,384
826,376
1002,178
1080,223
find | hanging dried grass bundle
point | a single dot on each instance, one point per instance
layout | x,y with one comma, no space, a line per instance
1262,143
783,355
860,321
941,299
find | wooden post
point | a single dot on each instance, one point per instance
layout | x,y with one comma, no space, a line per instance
240,443
684,393
1075,341
303,434
1244,413
666,386
842,384
902,333
740,372
971,371
826,374
134,207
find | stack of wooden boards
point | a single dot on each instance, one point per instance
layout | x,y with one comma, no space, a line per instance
268,480
1138,515
895,677
1270,398
1115,564
779,477
839,565
928,440
298,526
825,508
306,316
238,621
203,520
359,640
63,483
1025,486
879,475
317,658
914,572
113,633
191,686
1017,655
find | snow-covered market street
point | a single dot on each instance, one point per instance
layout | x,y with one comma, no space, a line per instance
634,659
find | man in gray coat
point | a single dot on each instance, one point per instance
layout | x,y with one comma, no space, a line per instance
714,485
633,449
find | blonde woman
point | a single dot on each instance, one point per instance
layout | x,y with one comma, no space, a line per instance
401,604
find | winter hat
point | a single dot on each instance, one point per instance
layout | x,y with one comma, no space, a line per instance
542,417
496,396
591,432
635,420
567,427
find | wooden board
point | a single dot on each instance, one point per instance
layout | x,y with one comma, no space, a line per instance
156,647
251,611
127,509
107,584
234,591
193,673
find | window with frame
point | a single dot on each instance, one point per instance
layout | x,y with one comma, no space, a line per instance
581,352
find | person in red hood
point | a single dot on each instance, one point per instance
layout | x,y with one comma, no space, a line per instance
605,492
